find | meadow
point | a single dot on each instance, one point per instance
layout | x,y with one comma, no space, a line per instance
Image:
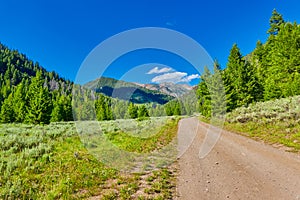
54,161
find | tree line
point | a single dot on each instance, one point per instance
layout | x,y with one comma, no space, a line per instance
30,94
271,71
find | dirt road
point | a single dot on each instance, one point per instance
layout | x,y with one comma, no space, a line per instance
236,168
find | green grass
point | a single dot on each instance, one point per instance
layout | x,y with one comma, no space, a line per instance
137,144
273,133
51,162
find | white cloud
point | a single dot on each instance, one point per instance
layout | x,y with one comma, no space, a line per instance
190,77
156,70
175,77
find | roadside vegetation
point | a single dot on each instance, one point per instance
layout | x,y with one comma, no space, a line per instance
275,122
51,162
141,140
260,91
271,71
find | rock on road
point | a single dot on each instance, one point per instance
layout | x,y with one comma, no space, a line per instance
236,168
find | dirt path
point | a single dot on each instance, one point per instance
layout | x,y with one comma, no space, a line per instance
236,168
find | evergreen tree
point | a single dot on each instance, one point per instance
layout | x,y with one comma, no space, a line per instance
204,94
258,61
100,108
19,102
57,111
177,108
173,108
103,108
142,112
276,21
108,109
7,112
233,78
132,111
283,59
39,109
217,92
67,108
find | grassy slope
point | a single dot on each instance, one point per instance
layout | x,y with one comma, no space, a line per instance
274,122
50,162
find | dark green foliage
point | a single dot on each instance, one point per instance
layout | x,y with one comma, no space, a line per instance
173,108
62,109
7,112
283,69
40,105
233,76
143,112
204,94
271,71
28,93
103,108
19,102
133,111
276,21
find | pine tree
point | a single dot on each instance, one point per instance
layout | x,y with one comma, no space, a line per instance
7,112
177,108
108,109
283,61
217,92
142,112
258,61
276,21
103,108
233,77
67,108
57,111
39,109
19,102
132,111
203,93
100,108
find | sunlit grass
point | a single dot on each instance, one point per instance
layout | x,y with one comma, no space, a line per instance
51,162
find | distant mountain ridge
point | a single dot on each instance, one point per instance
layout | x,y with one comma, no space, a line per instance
137,92
127,91
169,88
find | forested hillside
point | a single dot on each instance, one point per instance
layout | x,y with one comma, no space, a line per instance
271,71
28,93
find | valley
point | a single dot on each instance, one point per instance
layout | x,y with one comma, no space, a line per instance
115,139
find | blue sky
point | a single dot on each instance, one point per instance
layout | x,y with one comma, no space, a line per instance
60,34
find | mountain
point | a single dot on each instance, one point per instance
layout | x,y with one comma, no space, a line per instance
172,89
132,92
